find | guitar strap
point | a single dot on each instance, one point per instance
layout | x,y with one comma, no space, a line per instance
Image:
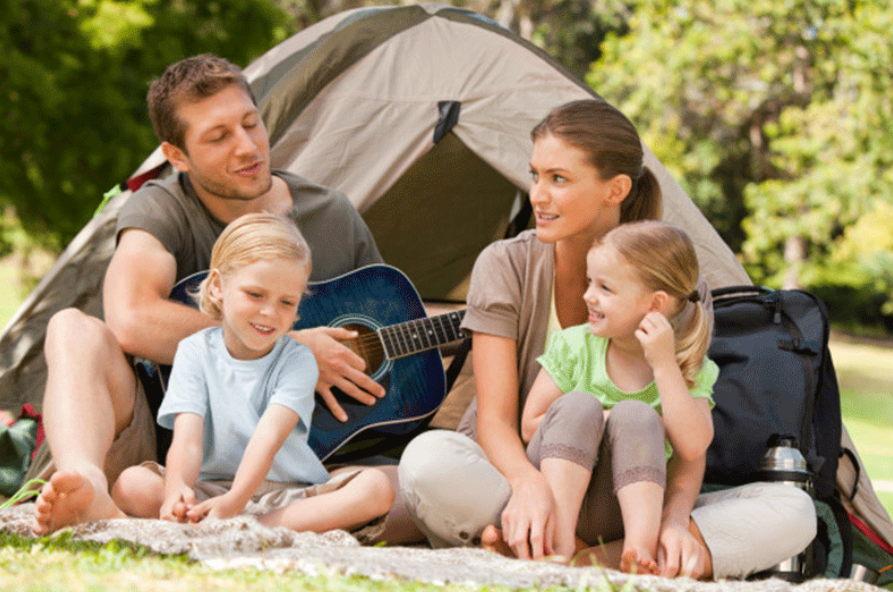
457,362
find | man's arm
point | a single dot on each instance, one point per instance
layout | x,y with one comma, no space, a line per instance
135,298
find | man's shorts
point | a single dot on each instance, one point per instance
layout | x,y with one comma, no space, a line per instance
134,445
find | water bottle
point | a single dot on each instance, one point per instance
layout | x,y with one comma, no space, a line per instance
783,463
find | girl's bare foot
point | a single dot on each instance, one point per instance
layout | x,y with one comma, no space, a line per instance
70,498
638,561
491,540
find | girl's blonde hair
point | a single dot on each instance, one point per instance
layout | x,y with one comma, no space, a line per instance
664,259
248,239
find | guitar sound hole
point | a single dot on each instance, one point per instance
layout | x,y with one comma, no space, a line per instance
368,346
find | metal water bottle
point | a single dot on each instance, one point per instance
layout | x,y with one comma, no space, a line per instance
783,463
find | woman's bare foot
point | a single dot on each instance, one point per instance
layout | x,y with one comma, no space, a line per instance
70,498
637,560
491,540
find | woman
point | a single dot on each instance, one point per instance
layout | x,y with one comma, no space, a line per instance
587,178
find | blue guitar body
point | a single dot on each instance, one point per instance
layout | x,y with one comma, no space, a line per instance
397,340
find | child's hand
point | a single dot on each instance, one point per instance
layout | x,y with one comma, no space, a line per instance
175,507
222,506
655,333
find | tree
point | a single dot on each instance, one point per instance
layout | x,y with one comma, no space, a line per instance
775,116
73,82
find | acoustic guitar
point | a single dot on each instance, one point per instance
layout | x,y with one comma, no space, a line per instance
396,338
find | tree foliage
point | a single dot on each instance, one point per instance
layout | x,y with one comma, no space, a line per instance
775,116
73,81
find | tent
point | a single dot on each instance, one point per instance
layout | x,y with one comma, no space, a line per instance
421,115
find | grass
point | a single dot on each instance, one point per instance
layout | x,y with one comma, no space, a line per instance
62,564
866,389
58,563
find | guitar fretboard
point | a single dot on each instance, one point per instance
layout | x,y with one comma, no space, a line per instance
421,334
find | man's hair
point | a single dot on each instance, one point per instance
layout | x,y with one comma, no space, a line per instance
189,80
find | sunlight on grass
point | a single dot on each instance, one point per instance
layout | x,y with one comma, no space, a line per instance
866,400
47,564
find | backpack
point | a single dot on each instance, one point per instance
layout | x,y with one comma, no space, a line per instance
777,379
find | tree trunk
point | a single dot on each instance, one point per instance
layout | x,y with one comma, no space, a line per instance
794,256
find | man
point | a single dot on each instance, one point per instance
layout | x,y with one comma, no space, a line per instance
96,415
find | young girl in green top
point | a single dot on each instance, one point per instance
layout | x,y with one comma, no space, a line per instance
642,357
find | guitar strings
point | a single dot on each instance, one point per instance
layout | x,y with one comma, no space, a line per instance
420,334
373,343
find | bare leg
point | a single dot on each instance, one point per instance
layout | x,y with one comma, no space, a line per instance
641,503
139,492
609,554
569,482
604,554
491,540
399,528
365,497
705,551
89,398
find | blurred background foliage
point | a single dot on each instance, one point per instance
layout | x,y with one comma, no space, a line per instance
775,116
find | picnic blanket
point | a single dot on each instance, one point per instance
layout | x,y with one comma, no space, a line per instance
242,542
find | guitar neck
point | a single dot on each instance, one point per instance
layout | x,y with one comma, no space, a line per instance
419,335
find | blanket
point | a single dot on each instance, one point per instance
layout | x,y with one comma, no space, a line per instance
242,542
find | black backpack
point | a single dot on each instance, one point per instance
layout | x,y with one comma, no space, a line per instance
777,379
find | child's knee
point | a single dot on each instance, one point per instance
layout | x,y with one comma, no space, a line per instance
376,491
131,486
637,417
576,410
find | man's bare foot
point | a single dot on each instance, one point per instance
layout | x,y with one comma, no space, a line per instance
70,498
638,561
491,540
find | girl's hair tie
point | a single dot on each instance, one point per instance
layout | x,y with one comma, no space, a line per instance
694,296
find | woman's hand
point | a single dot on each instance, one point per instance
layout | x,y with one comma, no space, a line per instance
679,552
528,520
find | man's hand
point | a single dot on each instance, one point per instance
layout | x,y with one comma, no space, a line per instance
338,367
679,552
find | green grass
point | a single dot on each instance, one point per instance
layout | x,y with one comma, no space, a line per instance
866,385
62,564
